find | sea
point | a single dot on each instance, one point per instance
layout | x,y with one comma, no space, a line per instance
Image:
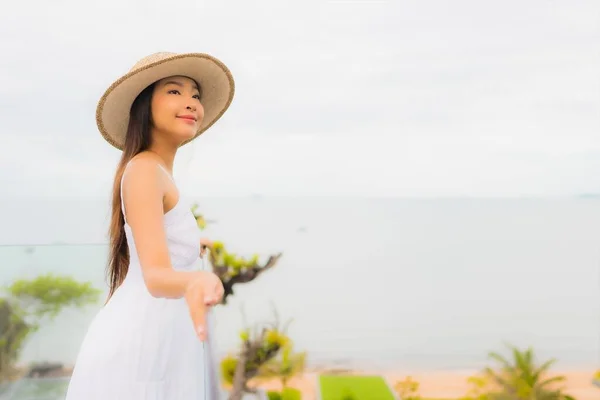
385,283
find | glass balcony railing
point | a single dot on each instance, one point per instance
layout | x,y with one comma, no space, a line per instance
434,289
53,347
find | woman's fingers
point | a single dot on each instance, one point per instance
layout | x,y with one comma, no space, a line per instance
197,310
200,320
215,295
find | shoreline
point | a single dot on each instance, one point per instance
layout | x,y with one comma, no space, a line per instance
433,384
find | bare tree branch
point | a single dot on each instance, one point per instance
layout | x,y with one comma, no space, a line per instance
245,275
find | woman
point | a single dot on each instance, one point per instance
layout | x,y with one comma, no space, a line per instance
151,340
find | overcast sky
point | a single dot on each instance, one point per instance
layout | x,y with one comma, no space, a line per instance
369,98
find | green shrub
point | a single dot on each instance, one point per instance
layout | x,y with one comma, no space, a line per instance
274,395
26,304
286,394
291,394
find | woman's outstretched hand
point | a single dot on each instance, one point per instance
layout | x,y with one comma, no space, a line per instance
204,291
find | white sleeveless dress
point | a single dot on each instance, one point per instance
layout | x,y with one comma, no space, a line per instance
139,347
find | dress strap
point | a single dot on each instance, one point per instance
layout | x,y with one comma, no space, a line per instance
163,169
121,192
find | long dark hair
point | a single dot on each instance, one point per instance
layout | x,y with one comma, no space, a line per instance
137,140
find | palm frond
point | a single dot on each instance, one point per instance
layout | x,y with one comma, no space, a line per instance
554,379
500,359
542,369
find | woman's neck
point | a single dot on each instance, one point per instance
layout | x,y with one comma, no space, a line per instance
166,155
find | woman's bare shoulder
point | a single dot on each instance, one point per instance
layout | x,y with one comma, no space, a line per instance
143,171
145,160
144,164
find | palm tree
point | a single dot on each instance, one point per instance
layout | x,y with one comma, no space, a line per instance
522,379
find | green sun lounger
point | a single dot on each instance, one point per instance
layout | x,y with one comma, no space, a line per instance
351,387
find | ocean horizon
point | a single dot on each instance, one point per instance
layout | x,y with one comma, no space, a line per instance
404,283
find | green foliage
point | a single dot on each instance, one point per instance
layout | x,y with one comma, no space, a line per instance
408,389
27,303
231,268
200,220
272,395
14,330
285,365
523,379
270,343
228,366
230,264
47,295
273,337
291,394
479,388
285,394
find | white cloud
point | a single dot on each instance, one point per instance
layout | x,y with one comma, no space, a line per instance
333,97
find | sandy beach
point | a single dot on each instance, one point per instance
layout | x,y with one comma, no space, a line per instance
438,385
442,384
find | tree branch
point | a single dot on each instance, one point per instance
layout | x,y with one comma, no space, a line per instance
245,275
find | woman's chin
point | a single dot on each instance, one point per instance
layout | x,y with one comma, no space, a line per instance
184,136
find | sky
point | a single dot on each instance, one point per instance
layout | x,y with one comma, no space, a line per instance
333,98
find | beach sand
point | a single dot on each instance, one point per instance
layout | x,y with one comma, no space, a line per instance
441,384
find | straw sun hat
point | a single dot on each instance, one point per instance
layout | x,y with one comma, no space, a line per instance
215,80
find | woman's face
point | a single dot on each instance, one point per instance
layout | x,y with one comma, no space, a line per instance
176,109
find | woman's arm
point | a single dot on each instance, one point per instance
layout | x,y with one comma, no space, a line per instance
144,188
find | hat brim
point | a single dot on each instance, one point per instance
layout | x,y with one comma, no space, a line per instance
215,79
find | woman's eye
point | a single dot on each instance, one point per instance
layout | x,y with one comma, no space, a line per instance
197,96
174,91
